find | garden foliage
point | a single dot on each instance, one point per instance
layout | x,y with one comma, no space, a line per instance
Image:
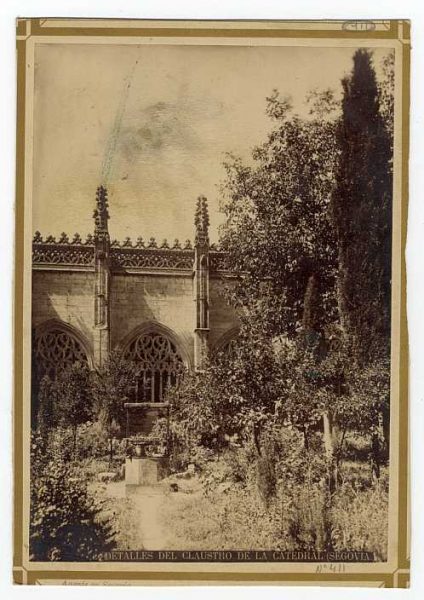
308,230
287,428
65,522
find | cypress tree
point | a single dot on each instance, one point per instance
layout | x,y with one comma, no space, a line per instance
361,211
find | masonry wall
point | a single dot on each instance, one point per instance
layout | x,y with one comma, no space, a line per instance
135,299
222,317
66,296
141,298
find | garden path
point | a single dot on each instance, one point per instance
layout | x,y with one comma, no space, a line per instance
148,501
145,506
143,509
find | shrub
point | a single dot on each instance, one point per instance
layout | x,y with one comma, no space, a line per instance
92,441
241,461
290,509
65,523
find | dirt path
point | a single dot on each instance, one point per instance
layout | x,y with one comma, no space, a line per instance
148,500
144,511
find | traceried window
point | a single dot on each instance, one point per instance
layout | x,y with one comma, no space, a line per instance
158,365
55,350
230,348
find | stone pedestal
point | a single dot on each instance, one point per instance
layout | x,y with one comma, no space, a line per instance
144,470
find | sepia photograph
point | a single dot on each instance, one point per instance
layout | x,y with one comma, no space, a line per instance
213,299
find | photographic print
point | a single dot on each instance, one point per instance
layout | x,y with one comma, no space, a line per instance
210,330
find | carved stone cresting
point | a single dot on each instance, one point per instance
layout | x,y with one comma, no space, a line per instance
77,253
158,357
151,258
97,252
50,252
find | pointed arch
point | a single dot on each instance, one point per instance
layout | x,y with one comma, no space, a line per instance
56,346
225,340
159,357
156,327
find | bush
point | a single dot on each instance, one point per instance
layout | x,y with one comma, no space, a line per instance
241,461
92,441
290,509
65,523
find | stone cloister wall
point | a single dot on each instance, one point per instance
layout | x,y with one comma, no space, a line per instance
105,292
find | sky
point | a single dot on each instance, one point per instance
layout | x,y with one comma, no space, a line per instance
154,122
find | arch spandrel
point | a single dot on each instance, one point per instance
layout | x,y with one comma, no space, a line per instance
225,339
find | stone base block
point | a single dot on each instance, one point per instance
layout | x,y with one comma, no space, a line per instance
144,470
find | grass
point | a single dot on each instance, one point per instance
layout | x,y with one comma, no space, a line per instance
223,512
210,522
360,518
294,520
121,513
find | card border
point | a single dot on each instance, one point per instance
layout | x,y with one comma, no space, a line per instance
398,30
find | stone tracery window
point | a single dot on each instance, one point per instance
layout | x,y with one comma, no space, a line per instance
227,345
55,350
158,364
229,349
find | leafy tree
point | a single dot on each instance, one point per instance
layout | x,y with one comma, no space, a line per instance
290,367
277,231
386,96
111,387
73,401
244,396
362,217
279,235
233,395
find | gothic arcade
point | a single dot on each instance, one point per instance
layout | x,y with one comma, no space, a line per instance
161,305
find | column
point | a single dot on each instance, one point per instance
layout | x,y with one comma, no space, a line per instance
201,282
101,333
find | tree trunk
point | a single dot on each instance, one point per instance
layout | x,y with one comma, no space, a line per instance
256,439
74,441
305,437
110,452
386,432
313,343
331,480
309,317
340,448
328,519
330,446
341,294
